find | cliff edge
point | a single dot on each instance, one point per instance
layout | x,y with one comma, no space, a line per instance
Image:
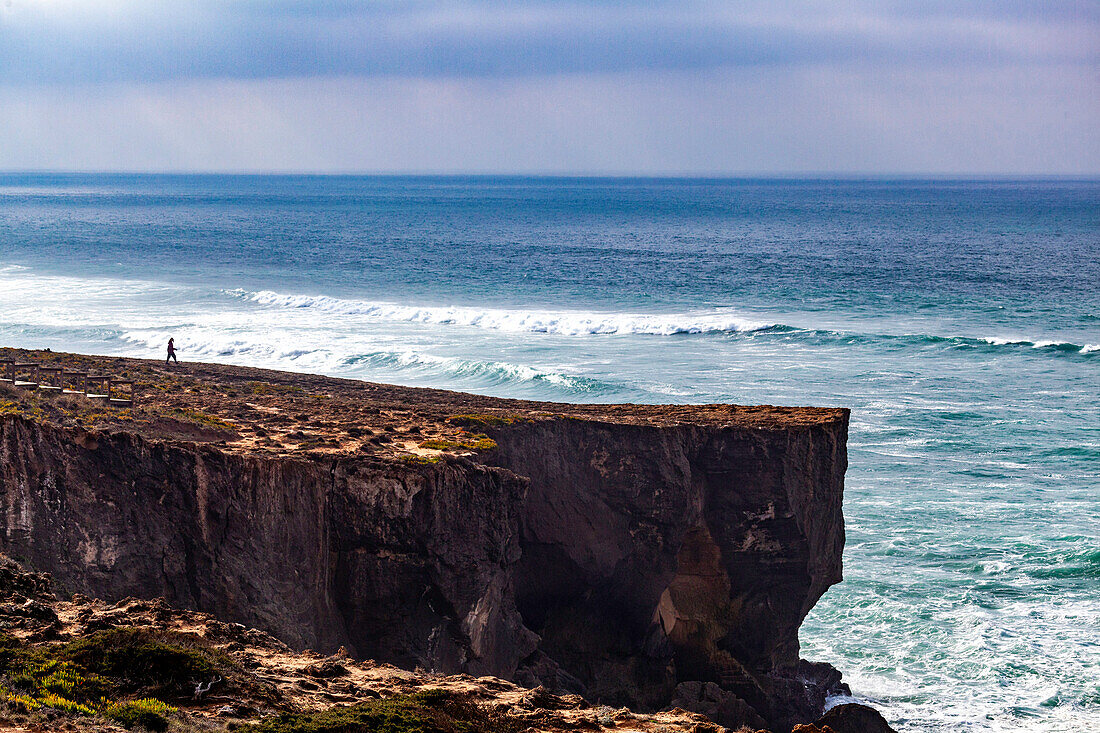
640,556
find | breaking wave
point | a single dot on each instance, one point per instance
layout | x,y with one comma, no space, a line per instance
483,372
585,323
567,323
203,345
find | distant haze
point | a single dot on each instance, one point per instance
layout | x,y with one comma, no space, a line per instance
691,87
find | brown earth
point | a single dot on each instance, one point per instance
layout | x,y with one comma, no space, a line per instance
247,410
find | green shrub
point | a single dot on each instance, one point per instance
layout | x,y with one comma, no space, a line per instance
60,678
65,705
146,712
22,703
161,663
485,420
202,418
419,460
80,677
476,442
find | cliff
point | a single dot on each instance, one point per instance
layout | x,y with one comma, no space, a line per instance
89,666
640,556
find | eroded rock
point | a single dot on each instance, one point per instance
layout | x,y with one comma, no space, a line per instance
848,718
616,552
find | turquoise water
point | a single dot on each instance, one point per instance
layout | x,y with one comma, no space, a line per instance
960,320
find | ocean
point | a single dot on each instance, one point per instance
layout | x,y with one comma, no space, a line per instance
958,319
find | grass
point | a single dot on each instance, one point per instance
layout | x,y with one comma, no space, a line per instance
427,711
475,442
420,460
163,664
23,408
94,675
147,713
202,418
486,420
268,388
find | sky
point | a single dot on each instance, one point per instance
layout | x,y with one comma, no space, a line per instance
695,87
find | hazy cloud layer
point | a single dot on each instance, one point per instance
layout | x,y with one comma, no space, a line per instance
128,40
723,121
696,86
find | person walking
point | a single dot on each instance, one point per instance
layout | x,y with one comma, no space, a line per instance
171,352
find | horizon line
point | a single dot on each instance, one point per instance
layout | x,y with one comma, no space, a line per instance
609,175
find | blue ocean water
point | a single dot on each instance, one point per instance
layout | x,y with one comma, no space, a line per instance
960,320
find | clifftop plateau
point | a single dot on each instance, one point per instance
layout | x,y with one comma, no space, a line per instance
639,556
262,411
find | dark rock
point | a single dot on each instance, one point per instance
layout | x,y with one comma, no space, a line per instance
17,581
109,620
853,718
29,609
653,556
719,705
325,669
618,560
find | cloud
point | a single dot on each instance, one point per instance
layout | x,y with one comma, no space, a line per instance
82,41
557,86
736,120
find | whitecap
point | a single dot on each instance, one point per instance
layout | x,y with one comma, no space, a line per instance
558,322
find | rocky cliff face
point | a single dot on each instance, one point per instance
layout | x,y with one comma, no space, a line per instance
633,563
655,556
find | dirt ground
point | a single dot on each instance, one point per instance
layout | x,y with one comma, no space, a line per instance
243,409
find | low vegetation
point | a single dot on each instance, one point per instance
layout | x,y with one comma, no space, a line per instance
125,675
485,420
202,418
146,713
427,711
261,388
475,442
15,402
419,460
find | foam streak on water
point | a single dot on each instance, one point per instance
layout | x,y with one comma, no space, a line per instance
960,320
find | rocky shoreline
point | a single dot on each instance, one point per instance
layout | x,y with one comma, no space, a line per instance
638,557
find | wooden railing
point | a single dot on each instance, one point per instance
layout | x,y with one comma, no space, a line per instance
58,380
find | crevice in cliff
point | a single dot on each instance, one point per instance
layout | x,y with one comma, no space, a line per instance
694,610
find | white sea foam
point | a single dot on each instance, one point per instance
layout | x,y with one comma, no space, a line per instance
999,341
483,371
292,353
567,323
1040,344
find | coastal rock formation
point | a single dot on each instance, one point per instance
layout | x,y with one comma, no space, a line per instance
848,718
636,556
89,666
657,555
